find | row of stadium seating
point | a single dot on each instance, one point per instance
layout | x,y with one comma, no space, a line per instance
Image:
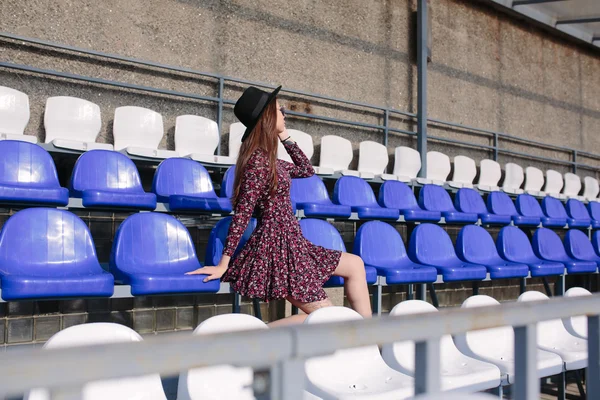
108,179
152,251
74,124
471,362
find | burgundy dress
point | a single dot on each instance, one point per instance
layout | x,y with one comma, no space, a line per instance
277,261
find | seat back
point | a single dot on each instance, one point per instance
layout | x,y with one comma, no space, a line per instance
46,242
548,331
236,131
547,245
182,176
353,191
577,210
223,381
380,244
553,208
475,245
152,243
218,237
14,111
579,246
513,178
596,241
435,198
534,179
554,182
309,190
577,325
228,183
594,210
137,126
304,141
572,185
430,244
395,194
336,152
489,173
195,134
528,206
147,387
105,170
71,118
501,204
513,245
591,188
407,162
26,165
322,233
438,167
465,171
372,157
469,201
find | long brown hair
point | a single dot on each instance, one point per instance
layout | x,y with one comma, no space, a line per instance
262,137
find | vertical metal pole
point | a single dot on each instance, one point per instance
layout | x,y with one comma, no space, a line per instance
422,84
386,126
527,384
286,381
427,366
379,300
67,393
495,147
574,161
220,113
593,370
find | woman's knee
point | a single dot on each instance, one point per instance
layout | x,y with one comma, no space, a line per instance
351,265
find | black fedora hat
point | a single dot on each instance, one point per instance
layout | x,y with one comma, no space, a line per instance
251,105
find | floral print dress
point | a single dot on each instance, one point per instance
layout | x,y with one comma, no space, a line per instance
277,261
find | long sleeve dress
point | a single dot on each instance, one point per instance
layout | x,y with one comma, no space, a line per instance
277,261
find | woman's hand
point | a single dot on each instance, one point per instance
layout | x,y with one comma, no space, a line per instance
212,272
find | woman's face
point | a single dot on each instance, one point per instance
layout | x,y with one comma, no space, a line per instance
280,126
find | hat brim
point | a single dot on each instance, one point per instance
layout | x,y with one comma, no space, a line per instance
250,128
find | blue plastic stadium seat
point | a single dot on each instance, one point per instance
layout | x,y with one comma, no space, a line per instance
513,245
431,245
577,211
596,242
381,247
152,252
47,253
356,193
435,198
398,195
104,178
500,203
227,183
185,184
554,208
28,176
548,246
218,236
323,234
469,201
594,210
310,195
475,245
528,206
579,247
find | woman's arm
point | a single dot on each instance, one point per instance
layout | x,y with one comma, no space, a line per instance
301,168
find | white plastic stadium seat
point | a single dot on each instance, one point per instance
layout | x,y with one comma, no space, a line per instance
236,131
438,167
513,178
223,381
591,188
373,159
352,373
147,387
553,336
14,115
197,138
464,172
497,346
336,156
304,141
73,123
577,326
407,164
534,181
459,372
489,176
572,186
138,132
554,184
455,396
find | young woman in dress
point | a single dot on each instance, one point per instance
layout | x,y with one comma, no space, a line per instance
277,262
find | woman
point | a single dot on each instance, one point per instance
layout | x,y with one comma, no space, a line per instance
277,261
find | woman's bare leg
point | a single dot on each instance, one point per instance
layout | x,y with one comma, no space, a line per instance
307,308
352,269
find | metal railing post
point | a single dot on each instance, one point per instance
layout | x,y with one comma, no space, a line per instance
495,146
422,84
220,113
427,366
386,125
574,161
527,384
593,370
286,380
